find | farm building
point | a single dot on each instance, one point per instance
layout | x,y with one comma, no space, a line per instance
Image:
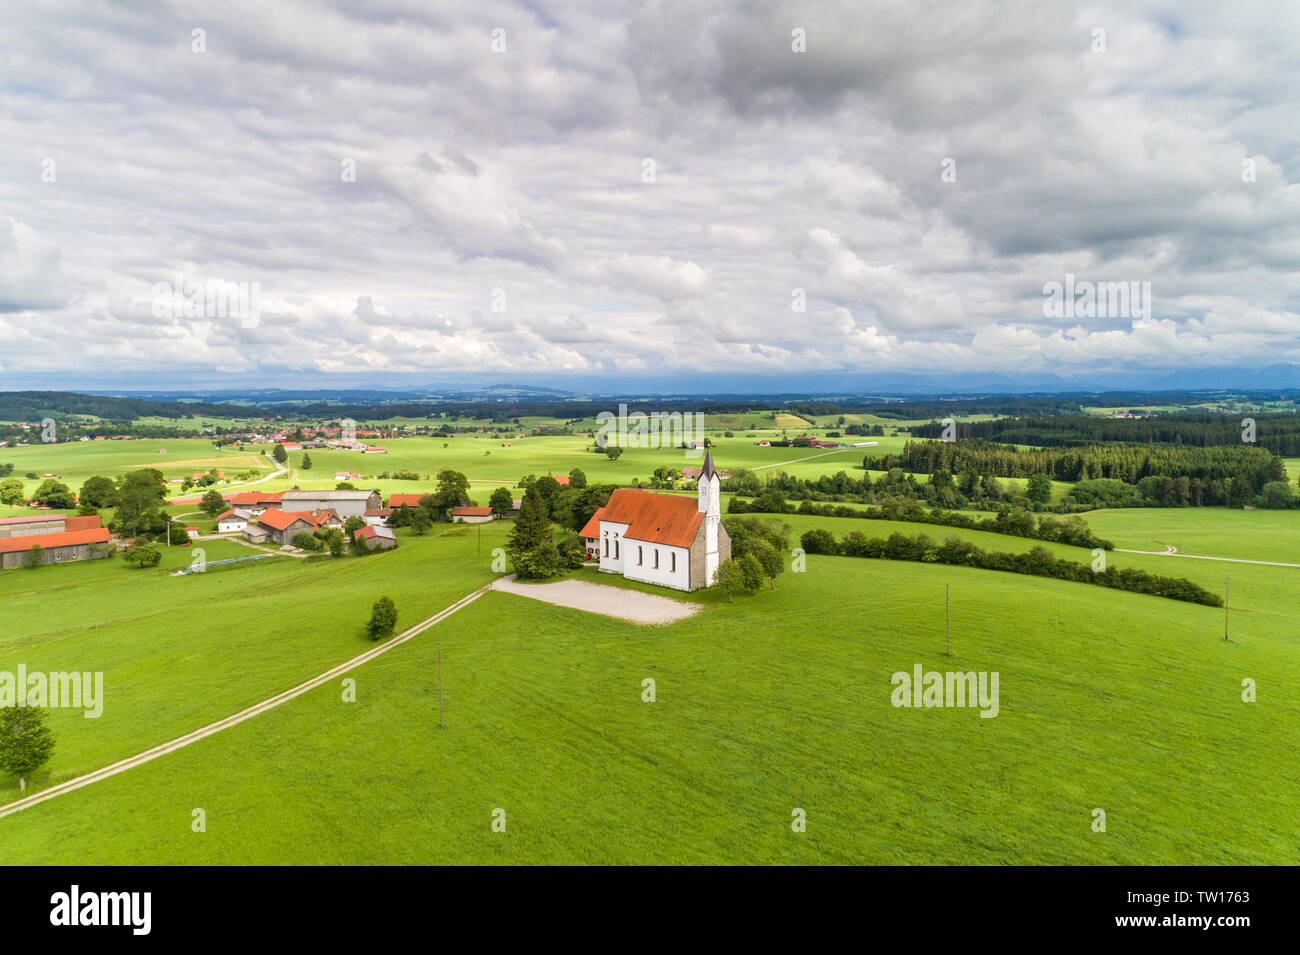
234,521
75,538
255,502
378,516
279,527
662,538
346,503
376,538
471,515
396,501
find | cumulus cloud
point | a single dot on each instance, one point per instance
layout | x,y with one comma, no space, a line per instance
414,199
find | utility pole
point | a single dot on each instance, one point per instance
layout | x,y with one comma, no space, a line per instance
1226,583
947,621
442,722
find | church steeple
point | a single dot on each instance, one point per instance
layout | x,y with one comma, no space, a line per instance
707,471
709,485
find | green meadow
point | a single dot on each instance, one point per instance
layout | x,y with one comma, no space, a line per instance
778,701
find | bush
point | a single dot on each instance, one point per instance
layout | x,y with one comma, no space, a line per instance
818,541
383,619
305,540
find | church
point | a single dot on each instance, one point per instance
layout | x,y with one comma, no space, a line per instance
662,539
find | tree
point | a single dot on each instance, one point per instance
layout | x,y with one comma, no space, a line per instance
577,479
531,546
772,561
1039,489
452,491
54,493
12,493
140,497
345,486
751,572
728,576
99,492
421,521
142,553
613,452
25,742
502,502
383,619
1276,494
819,541
35,556
334,540
306,461
176,534
279,453
213,504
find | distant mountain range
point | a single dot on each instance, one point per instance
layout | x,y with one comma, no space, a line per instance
1276,377
129,404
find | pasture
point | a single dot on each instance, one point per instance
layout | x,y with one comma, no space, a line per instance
780,700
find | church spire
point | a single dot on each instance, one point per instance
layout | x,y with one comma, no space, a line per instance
708,471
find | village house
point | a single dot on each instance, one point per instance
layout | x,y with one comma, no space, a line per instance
662,539
279,527
234,521
471,515
376,538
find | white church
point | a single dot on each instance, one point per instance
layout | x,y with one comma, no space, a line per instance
662,539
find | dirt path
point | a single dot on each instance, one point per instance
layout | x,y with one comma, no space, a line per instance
1228,560
632,605
213,728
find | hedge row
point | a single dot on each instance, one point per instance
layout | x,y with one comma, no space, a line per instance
1016,522
1038,561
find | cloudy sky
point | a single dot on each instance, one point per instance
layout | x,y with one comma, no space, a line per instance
584,192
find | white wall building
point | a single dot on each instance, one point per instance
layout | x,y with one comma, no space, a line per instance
662,539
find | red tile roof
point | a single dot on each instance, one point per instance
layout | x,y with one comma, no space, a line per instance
97,535
592,527
406,500
245,498
471,511
282,520
31,519
655,518
87,523
562,478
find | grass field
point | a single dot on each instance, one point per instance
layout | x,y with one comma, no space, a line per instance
779,700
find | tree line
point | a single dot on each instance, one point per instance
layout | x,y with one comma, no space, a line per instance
1038,561
1275,432
1017,522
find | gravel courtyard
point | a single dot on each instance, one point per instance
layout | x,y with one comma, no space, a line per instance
617,602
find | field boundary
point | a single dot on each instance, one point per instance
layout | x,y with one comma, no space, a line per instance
256,709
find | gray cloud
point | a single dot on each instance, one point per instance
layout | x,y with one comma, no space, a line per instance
515,179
